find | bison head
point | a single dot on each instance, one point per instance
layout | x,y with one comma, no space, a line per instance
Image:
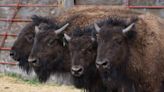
83,52
48,50
22,46
113,44
83,49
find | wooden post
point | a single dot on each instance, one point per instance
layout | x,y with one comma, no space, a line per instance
126,2
157,2
67,3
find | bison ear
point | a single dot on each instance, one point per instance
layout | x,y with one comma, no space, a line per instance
127,29
67,37
58,31
97,27
36,29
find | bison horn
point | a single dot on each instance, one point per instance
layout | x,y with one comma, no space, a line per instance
61,29
97,28
67,37
36,29
128,28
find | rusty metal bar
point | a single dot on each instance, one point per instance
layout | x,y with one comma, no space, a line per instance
9,63
149,7
6,49
10,23
28,5
15,13
18,6
3,40
15,20
6,34
140,7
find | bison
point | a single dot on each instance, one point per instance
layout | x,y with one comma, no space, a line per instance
135,50
55,39
52,49
83,49
22,46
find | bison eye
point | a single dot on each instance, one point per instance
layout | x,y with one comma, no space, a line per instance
50,42
29,38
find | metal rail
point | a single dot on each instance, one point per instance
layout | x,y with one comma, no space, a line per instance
27,5
141,7
6,33
13,19
9,63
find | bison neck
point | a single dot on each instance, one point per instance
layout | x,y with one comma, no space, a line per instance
61,63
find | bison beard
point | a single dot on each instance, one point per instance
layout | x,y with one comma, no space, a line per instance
24,65
44,70
89,80
115,81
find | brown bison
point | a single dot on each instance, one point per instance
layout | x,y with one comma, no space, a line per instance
54,40
83,49
52,49
22,46
135,51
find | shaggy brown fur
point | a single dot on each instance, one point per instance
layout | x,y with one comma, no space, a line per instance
139,57
83,54
83,17
87,17
23,44
146,53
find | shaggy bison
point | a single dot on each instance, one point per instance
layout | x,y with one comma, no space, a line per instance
83,55
83,50
22,46
135,51
52,48
59,60
82,18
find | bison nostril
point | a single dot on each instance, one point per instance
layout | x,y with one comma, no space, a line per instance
12,53
77,70
103,63
32,60
36,63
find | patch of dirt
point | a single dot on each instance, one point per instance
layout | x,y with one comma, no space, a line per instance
9,84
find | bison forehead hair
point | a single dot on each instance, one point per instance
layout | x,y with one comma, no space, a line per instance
82,43
47,20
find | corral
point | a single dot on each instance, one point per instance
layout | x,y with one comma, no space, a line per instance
16,14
